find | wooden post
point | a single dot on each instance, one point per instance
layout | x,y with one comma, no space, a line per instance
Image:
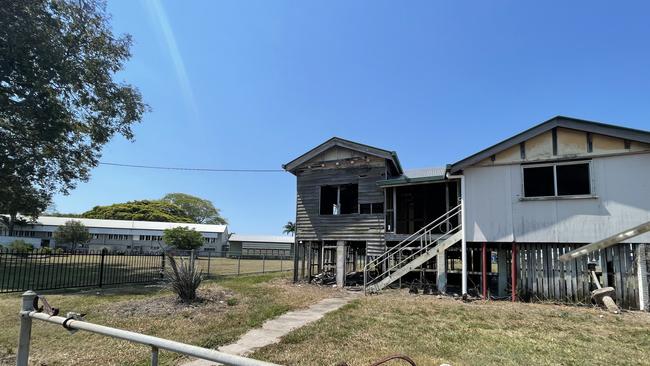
502,263
484,269
513,272
441,268
642,272
340,263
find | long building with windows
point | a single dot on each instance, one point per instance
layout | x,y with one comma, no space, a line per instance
115,235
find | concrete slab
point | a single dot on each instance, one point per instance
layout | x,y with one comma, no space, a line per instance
273,330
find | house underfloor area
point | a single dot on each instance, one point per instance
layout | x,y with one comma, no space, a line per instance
535,269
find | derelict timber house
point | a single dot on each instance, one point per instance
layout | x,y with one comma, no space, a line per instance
515,207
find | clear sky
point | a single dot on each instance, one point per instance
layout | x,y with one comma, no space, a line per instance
254,84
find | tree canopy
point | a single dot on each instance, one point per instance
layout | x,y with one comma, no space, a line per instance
72,233
183,238
289,228
60,102
201,211
144,210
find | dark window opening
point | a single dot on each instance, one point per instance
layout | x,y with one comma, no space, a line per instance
539,182
378,208
348,197
328,199
557,180
339,200
573,180
364,208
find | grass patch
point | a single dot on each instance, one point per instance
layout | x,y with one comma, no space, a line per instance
435,331
254,300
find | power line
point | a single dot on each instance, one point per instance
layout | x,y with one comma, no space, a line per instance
193,169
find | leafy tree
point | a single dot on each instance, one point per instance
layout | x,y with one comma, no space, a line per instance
183,238
59,100
289,228
18,199
201,211
140,211
73,233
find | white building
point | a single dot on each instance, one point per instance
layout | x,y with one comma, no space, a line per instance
115,235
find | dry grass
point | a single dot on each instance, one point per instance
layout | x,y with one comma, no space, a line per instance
257,298
435,331
230,266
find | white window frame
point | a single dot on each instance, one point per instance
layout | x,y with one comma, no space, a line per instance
556,196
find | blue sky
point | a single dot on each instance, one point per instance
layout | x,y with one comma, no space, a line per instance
254,84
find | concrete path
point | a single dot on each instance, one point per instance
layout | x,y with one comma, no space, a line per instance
272,330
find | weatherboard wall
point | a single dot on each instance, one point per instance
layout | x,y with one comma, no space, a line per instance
312,226
495,211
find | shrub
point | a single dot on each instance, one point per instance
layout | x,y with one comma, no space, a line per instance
59,251
183,238
183,278
45,250
21,246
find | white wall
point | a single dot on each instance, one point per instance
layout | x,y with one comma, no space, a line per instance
495,213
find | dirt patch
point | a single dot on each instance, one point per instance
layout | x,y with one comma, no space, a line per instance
209,298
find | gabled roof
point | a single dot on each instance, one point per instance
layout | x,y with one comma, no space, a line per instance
558,121
337,141
416,176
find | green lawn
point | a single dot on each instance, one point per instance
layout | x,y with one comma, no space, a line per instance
435,331
251,300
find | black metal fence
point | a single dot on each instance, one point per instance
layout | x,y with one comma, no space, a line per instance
21,271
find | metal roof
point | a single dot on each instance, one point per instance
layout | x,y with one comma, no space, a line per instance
125,224
558,121
414,176
337,141
261,238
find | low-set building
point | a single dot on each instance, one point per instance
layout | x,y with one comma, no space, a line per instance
256,245
116,235
494,223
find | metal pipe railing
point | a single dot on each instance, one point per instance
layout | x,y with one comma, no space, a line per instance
28,313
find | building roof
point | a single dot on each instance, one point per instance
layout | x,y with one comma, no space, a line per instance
125,224
558,121
262,238
337,141
415,176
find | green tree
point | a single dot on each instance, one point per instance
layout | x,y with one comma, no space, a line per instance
72,233
20,198
140,211
289,228
183,238
201,211
59,100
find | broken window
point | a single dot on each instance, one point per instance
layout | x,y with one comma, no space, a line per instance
562,179
339,200
573,179
539,182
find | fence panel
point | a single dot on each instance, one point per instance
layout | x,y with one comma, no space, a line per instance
21,271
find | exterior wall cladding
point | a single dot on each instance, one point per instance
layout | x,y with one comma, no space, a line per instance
495,211
311,225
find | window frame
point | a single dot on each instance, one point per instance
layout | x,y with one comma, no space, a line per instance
338,199
592,187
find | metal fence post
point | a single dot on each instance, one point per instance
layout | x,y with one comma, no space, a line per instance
281,259
101,268
263,262
22,356
238,264
154,356
162,265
